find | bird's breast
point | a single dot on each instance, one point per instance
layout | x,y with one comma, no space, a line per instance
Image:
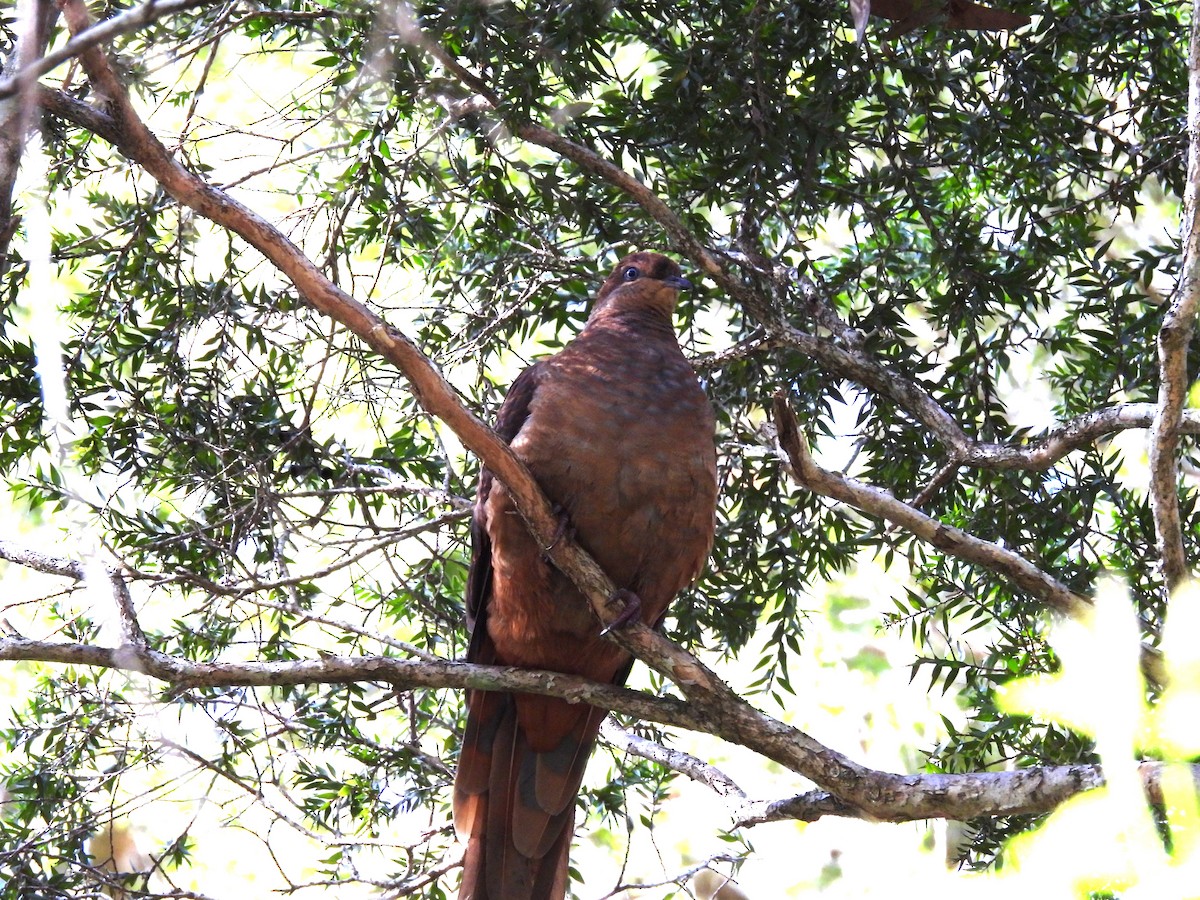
621,439
627,450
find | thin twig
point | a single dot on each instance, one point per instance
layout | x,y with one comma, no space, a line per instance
940,480
343,625
676,760
623,888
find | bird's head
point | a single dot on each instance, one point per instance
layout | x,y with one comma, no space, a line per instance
642,281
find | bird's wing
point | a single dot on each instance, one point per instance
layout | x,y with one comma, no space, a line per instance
512,415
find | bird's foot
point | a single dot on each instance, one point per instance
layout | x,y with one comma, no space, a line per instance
563,529
631,611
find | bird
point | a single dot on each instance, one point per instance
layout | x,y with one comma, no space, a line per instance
955,14
620,436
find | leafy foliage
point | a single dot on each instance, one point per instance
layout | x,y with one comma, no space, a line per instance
967,203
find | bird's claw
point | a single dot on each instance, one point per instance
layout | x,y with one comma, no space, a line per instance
632,610
561,530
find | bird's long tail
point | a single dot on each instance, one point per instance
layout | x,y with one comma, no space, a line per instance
514,799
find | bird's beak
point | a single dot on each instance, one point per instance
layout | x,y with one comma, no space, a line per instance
678,282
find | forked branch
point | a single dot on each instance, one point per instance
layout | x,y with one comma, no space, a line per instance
951,540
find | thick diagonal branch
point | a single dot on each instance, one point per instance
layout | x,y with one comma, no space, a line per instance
130,135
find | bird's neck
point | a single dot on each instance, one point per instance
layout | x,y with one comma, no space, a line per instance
646,319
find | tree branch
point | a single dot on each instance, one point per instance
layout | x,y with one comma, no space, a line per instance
35,19
183,675
131,629
131,136
806,807
851,362
349,627
255,586
1073,435
1174,338
684,763
27,73
42,562
954,541
857,791
1050,785
864,792
1034,456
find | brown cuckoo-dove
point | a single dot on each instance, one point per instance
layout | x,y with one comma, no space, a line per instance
619,434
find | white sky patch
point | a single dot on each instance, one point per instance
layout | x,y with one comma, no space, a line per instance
39,310
40,301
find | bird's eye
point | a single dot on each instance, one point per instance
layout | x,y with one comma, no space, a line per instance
632,273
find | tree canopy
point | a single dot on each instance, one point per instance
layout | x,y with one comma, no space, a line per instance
271,263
